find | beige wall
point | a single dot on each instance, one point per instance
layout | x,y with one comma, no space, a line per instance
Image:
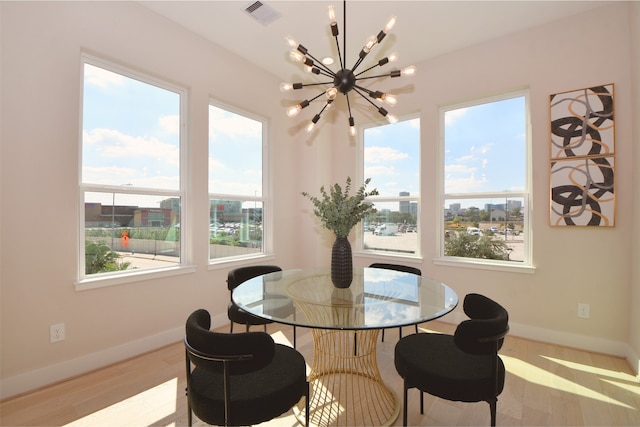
41,46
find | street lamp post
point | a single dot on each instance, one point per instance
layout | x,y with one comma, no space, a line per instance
113,218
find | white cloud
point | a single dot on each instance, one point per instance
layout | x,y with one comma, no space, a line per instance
214,163
466,159
382,155
114,144
451,116
232,125
170,124
379,170
102,78
457,168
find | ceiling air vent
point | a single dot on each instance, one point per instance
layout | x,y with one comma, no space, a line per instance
262,13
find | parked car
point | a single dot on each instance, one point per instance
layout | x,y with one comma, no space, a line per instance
386,230
474,231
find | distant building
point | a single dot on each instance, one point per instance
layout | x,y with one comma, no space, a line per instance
405,205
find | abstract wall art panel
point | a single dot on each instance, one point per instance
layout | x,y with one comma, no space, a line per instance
582,191
582,123
583,157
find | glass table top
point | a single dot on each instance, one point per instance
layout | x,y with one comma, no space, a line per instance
376,299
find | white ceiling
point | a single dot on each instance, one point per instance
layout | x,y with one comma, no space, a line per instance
424,29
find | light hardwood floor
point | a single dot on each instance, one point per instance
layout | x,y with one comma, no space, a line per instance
546,385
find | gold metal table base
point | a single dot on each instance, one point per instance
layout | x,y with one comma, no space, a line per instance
346,386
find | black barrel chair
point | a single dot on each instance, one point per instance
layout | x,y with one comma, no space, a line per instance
397,267
237,315
462,367
240,379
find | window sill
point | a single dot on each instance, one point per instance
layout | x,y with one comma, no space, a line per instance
388,255
238,260
485,265
133,276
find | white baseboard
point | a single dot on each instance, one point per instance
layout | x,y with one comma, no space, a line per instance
51,374
584,342
634,360
54,373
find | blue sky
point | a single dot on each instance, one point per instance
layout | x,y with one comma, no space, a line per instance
485,151
237,171
485,147
130,132
131,137
392,157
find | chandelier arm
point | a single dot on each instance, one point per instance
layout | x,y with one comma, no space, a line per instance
316,97
332,75
364,89
324,108
375,77
348,104
368,69
357,64
357,90
320,65
344,32
317,84
339,53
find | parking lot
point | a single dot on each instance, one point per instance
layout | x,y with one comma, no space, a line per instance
407,243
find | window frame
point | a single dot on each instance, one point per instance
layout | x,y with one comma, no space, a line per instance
391,255
526,266
267,210
85,281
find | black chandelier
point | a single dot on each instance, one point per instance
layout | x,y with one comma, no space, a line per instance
345,80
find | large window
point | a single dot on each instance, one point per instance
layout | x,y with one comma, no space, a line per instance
392,161
236,193
485,196
131,187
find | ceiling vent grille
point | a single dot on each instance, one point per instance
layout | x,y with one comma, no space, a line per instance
262,13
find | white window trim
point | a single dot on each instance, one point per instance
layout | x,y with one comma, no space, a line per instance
85,281
526,266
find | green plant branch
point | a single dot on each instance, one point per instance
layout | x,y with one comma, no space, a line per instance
340,212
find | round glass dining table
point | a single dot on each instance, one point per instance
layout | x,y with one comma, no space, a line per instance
346,385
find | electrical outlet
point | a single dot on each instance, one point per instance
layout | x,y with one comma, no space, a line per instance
56,332
583,310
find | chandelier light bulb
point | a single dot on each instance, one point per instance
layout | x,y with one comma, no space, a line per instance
371,42
296,56
393,57
291,42
352,127
286,87
312,123
391,118
390,24
389,99
310,127
409,71
293,111
331,93
332,14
